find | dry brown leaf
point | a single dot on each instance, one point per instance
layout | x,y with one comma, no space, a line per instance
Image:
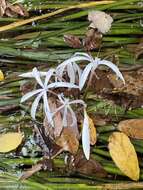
133,84
68,140
92,39
2,7
93,136
123,154
10,10
132,127
88,167
99,120
10,141
72,41
16,9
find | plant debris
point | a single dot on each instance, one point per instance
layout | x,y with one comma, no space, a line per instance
10,141
132,128
11,10
124,155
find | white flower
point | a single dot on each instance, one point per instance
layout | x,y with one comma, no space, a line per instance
66,107
93,64
42,92
31,74
100,20
71,68
86,136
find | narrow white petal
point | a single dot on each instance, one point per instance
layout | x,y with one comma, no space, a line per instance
48,76
77,69
30,74
36,74
29,95
27,75
62,84
113,67
42,74
84,75
86,136
61,67
83,54
35,105
76,58
79,58
61,98
60,72
47,109
71,73
78,102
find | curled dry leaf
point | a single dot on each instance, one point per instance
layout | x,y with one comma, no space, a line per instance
68,140
132,128
11,10
123,154
1,76
2,7
92,39
72,41
10,141
17,9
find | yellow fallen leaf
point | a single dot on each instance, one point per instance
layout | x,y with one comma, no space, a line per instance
10,141
1,76
132,128
92,128
124,155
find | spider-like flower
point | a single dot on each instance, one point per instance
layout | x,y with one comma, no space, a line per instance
71,68
66,107
93,64
43,91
